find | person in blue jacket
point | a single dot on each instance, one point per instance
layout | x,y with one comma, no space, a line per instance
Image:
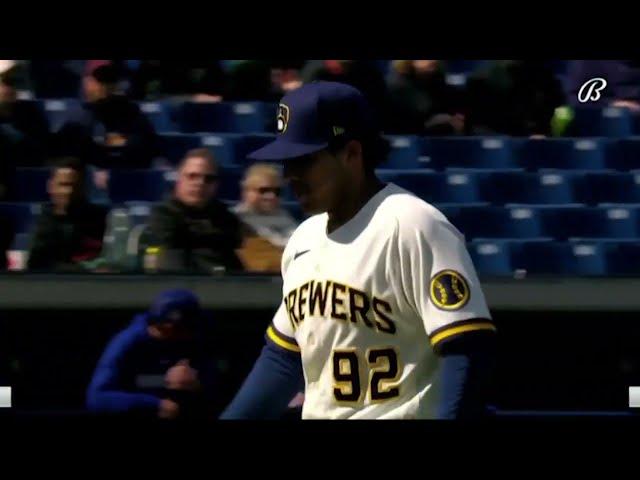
158,366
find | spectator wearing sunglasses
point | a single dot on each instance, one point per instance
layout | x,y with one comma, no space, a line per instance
268,225
193,231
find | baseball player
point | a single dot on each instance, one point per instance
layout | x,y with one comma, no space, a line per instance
382,314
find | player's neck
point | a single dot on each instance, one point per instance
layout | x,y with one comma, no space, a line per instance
353,204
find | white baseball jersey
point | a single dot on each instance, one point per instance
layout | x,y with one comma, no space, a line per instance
367,305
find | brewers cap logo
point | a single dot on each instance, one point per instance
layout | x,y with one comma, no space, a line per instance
449,290
283,118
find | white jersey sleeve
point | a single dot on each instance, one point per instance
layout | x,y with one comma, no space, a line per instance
280,332
438,277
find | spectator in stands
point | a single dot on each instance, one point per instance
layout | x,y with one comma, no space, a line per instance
420,100
160,365
195,231
268,225
70,230
364,75
251,80
126,138
622,76
286,75
56,78
186,79
6,238
207,82
512,97
263,80
146,80
23,126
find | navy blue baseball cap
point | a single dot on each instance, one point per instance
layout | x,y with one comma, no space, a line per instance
314,116
175,306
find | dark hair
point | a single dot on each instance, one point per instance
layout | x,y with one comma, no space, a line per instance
375,149
199,153
106,74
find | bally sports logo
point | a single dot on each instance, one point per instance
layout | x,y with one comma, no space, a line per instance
591,89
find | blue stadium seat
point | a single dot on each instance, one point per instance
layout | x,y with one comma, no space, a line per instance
540,257
585,258
139,212
469,152
31,184
559,258
192,117
590,121
481,171
456,79
225,117
522,222
623,258
610,187
142,185
624,154
175,145
435,187
254,117
565,222
223,147
21,242
23,215
245,144
457,187
495,222
58,111
453,212
159,114
562,222
527,188
560,153
619,221
404,152
491,257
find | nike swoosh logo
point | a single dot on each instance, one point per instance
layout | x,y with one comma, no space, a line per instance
300,253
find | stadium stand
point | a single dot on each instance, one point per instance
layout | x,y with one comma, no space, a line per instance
565,205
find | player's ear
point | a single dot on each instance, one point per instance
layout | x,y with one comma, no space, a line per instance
353,151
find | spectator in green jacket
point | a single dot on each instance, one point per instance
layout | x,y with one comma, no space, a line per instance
193,230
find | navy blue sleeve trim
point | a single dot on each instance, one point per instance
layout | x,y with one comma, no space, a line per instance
275,379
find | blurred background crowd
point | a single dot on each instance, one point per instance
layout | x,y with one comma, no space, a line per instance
139,165
110,166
